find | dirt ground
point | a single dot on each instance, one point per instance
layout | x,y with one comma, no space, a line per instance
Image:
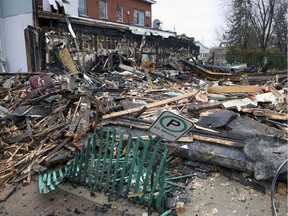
215,195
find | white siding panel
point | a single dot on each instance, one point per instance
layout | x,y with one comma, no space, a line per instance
14,40
15,7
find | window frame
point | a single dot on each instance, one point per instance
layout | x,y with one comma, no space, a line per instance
137,18
100,9
122,13
84,7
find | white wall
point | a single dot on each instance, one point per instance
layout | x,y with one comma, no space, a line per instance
2,55
71,9
13,40
1,37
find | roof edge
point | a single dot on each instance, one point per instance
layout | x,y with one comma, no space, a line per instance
149,1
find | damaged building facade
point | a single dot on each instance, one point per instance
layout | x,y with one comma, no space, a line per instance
51,26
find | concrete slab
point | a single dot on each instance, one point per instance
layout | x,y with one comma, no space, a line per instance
212,196
27,201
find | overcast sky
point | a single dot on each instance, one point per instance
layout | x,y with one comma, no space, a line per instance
198,19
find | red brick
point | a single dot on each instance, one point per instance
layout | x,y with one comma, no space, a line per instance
93,10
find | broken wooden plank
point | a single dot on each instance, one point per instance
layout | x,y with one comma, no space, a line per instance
146,137
270,114
206,138
217,97
40,98
149,79
266,66
46,131
84,112
129,124
266,113
220,140
150,105
239,103
164,77
130,69
6,192
138,114
233,76
175,162
55,150
67,60
280,97
281,188
233,89
197,107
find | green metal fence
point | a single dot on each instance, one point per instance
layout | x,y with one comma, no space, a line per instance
134,169
50,179
116,164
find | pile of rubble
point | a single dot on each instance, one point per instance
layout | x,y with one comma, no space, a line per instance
45,117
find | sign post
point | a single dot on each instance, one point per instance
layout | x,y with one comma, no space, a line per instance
170,126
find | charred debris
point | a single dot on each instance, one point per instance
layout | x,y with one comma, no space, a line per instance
89,75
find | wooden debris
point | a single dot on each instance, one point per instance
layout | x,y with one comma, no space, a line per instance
239,103
233,89
67,61
84,123
35,134
281,97
198,107
46,123
6,192
175,162
148,77
270,114
180,207
151,105
281,188
131,69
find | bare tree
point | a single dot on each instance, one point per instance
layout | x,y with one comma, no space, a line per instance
280,25
257,24
262,17
240,31
239,24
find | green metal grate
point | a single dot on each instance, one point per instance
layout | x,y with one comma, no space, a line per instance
125,168
134,169
49,180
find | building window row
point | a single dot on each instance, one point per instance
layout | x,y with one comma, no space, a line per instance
138,15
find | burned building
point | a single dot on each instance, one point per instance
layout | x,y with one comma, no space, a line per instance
89,39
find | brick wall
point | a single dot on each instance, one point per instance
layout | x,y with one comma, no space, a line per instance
93,10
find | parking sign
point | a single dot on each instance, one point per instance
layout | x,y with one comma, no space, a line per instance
170,126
